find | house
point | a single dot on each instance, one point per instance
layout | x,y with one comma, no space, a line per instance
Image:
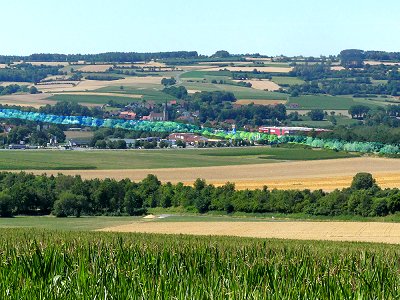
156,116
17,146
81,142
279,131
127,115
188,138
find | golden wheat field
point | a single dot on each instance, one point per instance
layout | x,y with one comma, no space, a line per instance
262,84
386,63
90,85
320,174
250,69
101,94
95,68
334,231
32,100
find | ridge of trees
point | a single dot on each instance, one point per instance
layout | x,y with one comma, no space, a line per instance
117,57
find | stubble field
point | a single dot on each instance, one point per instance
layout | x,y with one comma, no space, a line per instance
296,230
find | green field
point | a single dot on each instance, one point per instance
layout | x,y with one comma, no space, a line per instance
328,102
203,74
325,123
148,92
239,92
92,99
39,264
287,80
151,159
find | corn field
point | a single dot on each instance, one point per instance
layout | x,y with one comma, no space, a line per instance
36,264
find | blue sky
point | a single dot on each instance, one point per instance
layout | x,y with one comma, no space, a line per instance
289,27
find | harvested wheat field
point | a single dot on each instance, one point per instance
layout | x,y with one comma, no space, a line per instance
258,58
90,85
386,63
333,231
213,63
319,174
48,63
260,101
337,68
95,68
5,83
101,94
193,91
250,69
262,84
32,100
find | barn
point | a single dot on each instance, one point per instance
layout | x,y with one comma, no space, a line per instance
279,131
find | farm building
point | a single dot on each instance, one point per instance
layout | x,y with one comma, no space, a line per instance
188,138
127,115
279,131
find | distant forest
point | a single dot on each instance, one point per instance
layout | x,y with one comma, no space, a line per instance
101,57
352,57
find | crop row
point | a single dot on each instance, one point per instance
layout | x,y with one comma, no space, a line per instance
54,265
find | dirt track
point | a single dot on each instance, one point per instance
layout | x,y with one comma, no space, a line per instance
322,174
333,231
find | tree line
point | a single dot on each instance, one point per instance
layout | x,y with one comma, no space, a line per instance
111,57
62,195
28,73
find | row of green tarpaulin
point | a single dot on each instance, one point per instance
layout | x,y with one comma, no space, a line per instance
139,125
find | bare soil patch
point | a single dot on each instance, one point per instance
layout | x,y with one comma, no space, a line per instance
333,231
318,174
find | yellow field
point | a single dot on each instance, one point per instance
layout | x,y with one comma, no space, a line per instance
237,63
258,58
374,63
95,68
250,69
48,63
101,94
194,91
260,101
90,85
5,83
334,231
36,100
320,174
262,84
337,68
